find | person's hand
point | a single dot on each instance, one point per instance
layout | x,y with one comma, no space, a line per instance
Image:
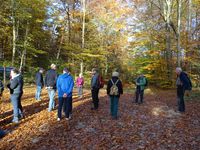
64,95
8,85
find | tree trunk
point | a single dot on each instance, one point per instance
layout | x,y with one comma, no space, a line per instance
83,30
60,45
188,52
23,56
83,25
167,14
69,25
14,32
179,58
81,66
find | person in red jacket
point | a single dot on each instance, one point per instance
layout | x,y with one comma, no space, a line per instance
79,84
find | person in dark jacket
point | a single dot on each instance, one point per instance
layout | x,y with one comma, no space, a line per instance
1,88
50,84
182,83
2,133
39,83
65,84
114,90
95,86
16,91
140,86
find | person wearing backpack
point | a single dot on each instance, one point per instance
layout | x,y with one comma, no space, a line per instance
183,83
114,90
141,83
95,86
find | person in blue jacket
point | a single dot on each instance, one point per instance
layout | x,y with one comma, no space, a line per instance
65,84
183,83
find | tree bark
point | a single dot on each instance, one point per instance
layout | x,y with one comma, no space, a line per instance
178,33
83,30
23,56
60,46
14,32
167,15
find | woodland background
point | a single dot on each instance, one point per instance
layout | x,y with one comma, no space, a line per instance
134,36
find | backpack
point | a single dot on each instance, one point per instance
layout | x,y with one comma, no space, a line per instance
114,89
101,82
189,81
146,84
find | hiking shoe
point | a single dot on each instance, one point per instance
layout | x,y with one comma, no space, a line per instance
15,121
70,116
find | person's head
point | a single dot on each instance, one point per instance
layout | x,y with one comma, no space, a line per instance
141,75
14,72
41,70
80,75
115,74
53,66
94,70
178,70
65,70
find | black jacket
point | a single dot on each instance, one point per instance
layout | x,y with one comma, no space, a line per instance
119,85
50,79
16,85
39,79
1,87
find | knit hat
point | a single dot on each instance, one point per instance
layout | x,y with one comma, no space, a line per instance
115,74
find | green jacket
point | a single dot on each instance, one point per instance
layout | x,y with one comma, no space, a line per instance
141,81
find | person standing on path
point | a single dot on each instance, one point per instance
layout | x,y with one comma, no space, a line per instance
50,84
79,84
95,86
141,81
16,91
65,84
182,83
114,90
39,83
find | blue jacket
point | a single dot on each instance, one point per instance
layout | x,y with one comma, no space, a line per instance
65,84
95,81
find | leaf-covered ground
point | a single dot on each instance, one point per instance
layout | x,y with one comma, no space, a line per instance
153,125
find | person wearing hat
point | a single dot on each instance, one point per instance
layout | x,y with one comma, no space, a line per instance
50,84
39,83
114,90
140,86
65,84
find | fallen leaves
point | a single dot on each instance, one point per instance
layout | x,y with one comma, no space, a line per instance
152,125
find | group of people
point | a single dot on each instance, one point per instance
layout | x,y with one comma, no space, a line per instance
64,85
